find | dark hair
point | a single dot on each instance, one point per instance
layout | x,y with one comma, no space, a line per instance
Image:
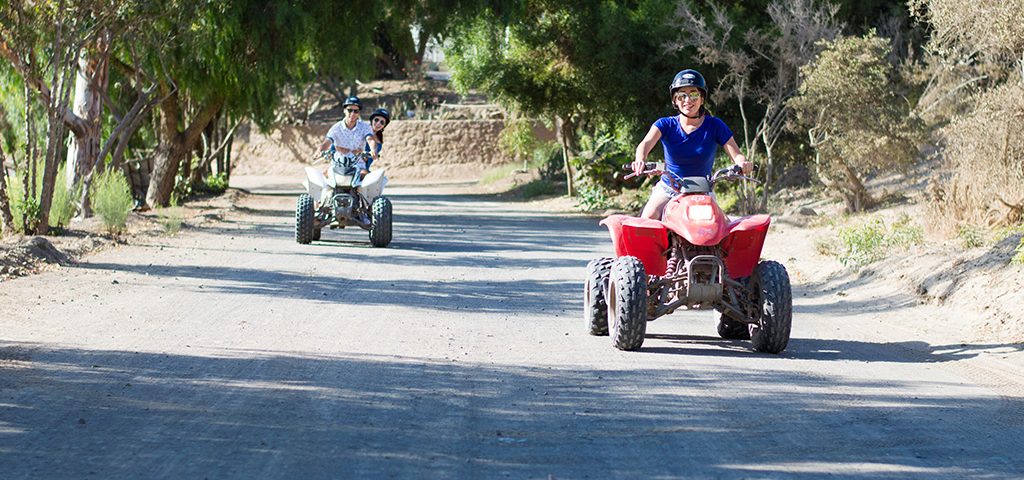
380,136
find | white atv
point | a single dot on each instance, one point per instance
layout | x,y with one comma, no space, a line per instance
343,199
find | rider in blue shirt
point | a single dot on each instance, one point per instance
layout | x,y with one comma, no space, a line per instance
690,139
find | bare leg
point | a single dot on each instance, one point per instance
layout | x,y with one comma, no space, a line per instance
656,204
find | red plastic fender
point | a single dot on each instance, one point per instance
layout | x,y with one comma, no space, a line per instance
742,246
642,238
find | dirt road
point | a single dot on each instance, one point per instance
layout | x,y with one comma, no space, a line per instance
460,352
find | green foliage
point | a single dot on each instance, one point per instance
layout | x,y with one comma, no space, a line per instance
64,204
860,244
517,138
593,197
548,160
569,60
216,184
23,207
599,163
728,200
539,188
1018,253
971,237
171,218
856,122
112,199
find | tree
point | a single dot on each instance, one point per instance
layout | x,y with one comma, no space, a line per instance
235,57
58,30
853,119
764,68
587,66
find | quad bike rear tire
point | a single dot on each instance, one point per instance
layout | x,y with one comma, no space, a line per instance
380,222
595,305
627,303
730,329
773,295
304,219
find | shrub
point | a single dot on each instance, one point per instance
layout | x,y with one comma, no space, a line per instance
112,199
854,120
216,184
1018,254
860,244
63,206
971,237
171,218
592,197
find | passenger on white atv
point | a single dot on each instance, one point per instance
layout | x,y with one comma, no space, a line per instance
379,119
350,135
690,139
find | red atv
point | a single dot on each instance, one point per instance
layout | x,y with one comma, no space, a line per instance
695,258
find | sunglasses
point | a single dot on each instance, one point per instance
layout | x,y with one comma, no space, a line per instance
693,96
352,110
379,120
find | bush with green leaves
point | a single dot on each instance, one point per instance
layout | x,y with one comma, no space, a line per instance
216,184
171,218
112,199
872,240
64,205
1018,253
857,125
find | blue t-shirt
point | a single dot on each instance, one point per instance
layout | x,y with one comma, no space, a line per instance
691,154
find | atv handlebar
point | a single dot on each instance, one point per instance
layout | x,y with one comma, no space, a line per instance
734,172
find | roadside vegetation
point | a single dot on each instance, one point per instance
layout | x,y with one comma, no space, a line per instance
822,94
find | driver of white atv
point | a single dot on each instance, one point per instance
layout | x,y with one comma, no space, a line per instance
351,135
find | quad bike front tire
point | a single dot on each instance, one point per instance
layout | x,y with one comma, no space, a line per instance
627,303
304,219
773,296
595,305
316,234
380,222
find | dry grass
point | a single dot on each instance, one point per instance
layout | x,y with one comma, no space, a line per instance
984,151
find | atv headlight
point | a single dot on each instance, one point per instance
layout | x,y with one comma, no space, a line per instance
700,212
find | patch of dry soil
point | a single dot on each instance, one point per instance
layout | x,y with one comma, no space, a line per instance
22,255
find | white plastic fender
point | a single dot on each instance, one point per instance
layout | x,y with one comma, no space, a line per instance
315,183
373,185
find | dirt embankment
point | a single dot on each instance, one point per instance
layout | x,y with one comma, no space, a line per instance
413,149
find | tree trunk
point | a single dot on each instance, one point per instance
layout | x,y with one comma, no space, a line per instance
174,146
565,130
5,200
84,149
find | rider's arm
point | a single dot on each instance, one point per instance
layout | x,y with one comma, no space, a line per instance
324,146
644,148
371,140
738,158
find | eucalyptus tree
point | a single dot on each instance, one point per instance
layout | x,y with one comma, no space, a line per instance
587,66
42,41
235,56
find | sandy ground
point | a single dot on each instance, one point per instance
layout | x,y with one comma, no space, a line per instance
229,350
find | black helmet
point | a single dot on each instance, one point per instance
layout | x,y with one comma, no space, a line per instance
381,112
688,78
353,100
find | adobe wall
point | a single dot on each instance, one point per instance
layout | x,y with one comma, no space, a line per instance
413,149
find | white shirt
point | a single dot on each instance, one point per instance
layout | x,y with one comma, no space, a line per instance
350,138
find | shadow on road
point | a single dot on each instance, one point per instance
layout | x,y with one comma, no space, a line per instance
69,412
827,349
